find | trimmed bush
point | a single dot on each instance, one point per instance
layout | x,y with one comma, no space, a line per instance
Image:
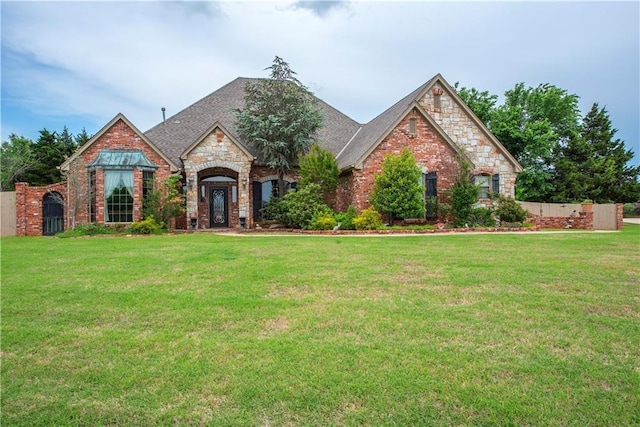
323,220
508,210
345,219
481,217
146,226
369,219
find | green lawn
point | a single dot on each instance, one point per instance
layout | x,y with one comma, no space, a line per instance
261,330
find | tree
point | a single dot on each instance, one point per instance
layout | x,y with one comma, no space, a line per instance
16,159
166,203
280,118
319,166
483,104
50,150
464,194
594,166
82,138
534,124
397,190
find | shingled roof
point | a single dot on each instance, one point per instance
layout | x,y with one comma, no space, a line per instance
181,130
350,141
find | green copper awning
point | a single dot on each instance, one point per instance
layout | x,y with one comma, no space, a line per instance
122,159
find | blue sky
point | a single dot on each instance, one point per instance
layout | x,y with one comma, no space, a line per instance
80,63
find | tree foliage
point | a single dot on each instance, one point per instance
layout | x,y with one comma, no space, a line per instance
593,165
464,194
319,166
564,160
37,162
397,190
280,118
16,158
165,203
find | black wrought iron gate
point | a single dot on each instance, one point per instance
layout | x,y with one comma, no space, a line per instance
52,214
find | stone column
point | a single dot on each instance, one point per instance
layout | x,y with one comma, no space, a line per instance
243,195
192,195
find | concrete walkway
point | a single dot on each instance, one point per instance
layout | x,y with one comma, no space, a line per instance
631,220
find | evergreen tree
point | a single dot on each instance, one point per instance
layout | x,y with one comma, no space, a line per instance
397,191
319,167
280,118
50,151
594,164
82,138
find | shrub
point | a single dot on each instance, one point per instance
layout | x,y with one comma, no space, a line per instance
146,226
396,190
444,212
88,230
345,219
464,195
297,208
508,210
481,217
369,219
322,220
165,204
631,210
275,210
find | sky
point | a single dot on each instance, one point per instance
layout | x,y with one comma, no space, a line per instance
79,63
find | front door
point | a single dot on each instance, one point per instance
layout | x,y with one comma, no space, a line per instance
219,207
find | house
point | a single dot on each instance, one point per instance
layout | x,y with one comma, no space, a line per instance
226,183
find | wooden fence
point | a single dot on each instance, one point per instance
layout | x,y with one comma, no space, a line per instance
7,213
605,216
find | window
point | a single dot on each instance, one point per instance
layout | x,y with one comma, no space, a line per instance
495,183
118,190
482,181
412,127
147,183
431,195
265,191
92,196
437,102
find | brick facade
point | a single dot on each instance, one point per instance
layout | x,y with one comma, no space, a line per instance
120,136
29,207
432,154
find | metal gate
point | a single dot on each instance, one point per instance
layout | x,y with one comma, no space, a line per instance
52,214
605,217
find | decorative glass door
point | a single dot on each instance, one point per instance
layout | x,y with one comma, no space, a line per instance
219,207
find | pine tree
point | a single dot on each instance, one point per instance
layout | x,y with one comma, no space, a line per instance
594,165
280,118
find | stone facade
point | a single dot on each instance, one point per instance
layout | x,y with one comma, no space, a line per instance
218,154
465,132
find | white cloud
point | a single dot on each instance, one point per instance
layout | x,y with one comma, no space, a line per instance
97,59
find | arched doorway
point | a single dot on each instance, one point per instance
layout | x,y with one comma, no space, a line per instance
218,194
52,214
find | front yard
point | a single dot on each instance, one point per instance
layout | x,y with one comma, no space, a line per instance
202,329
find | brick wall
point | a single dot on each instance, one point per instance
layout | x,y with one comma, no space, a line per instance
432,154
29,213
118,137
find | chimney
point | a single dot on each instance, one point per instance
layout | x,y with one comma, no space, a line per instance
163,117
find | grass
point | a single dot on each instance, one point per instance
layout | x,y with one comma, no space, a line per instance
201,329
